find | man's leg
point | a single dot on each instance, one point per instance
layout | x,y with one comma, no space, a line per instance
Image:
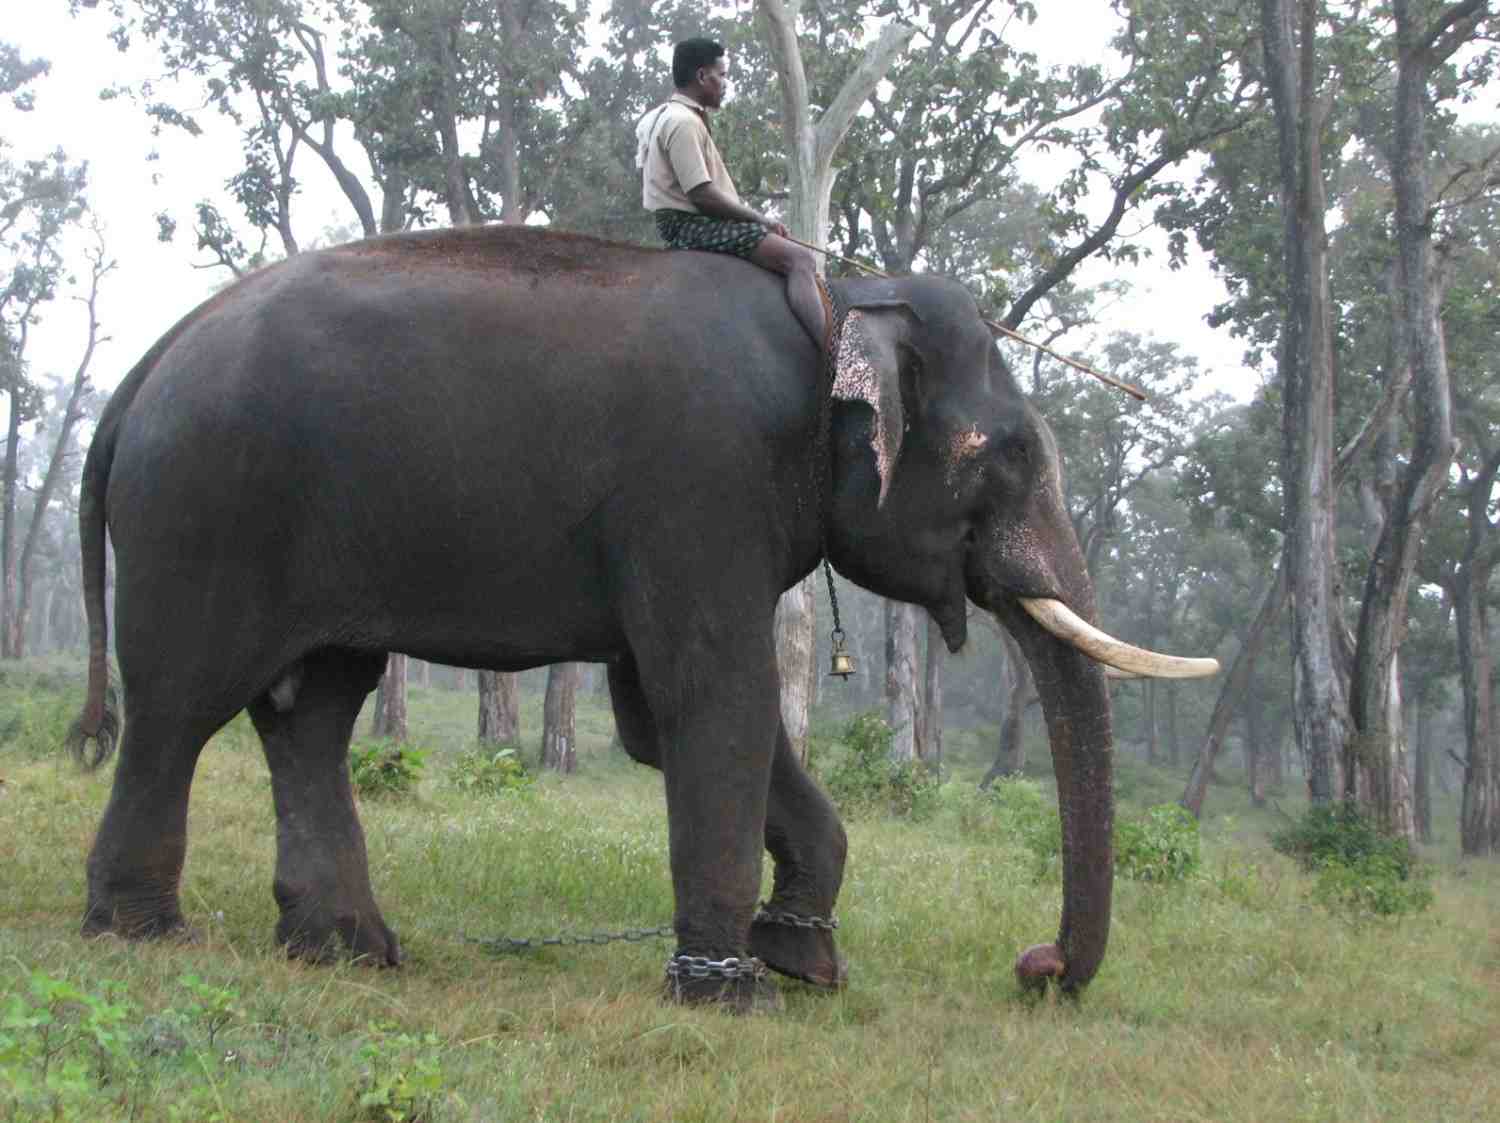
796,265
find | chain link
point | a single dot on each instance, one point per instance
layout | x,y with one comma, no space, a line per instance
823,442
533,943
764,915
701,967
768,915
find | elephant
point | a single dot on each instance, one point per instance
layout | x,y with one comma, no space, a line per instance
504,447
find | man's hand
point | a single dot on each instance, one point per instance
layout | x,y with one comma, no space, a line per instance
778,228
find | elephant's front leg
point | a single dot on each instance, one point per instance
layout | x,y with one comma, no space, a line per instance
794,934
717,739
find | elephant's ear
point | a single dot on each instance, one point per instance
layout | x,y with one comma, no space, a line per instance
867,369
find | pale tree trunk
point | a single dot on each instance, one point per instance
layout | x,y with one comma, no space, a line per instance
1153,724
1232,692
930,744
810,146
18,571
9,479
499,707
1420,356
559,737
390,701
1010,760
901,678
1306,361
1422,769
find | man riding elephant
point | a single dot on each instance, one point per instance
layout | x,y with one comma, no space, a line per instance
684,182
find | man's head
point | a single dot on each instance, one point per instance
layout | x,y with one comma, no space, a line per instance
700,70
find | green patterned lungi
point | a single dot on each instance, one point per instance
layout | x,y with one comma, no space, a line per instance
683,230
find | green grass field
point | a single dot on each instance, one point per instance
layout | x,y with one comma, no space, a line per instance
1232,995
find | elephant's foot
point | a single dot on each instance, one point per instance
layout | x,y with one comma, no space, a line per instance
139,914
749,992
320,929
1039,963
806,954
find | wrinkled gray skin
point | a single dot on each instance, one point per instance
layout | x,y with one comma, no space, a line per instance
501,448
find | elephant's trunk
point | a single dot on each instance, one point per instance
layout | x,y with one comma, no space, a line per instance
1075,702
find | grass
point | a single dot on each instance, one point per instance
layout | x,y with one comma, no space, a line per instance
1226,997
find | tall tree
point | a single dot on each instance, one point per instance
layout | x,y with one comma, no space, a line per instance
75,403
40,199
810,147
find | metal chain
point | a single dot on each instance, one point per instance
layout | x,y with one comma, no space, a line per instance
532,943
701,967
764,915
823,443
767,915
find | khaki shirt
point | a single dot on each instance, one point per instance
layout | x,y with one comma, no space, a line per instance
680,155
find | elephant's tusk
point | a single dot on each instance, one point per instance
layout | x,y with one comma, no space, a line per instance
1071,628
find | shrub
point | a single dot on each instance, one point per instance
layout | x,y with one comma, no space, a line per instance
59,1044
489,773
1360,870
385,768
402,1077
1161,845
1339,833
866,779
1372,886
1016,810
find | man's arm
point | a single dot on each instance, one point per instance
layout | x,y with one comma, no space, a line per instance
716,204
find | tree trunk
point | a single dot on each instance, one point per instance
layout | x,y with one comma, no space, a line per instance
1011,758
810,147
499,708
1478,818
901,678
390,701
9,479
1422,769
1153,727
1174,739
795,651
930,744
1305,358
1233,690
559,738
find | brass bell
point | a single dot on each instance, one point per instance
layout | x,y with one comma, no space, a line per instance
843,662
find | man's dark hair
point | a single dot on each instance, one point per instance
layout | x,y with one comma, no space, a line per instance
689,55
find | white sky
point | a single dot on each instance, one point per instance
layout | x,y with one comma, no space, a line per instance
156,284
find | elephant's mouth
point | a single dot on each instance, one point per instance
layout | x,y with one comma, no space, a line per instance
1125,659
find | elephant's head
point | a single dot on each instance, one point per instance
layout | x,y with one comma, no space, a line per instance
948,489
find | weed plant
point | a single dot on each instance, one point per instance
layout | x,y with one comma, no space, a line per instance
1226,995
385,768
483,770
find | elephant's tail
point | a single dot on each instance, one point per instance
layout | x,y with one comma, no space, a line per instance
91,738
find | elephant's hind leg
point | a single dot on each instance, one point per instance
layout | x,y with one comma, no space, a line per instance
322,882
135,866
805,837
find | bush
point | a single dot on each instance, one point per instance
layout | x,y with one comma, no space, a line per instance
1339,833
1016,810
1360,870
385,768
1161,845
489,773
402,1077
866,779
59,1044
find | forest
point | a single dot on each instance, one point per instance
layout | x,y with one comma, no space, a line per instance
1344,472
1323,518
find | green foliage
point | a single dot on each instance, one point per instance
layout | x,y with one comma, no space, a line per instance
1360,870
59,1044
382,768
865,780
1161,845
1339,833
1374,885
402,1077
1018,811
483,772
211,1007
